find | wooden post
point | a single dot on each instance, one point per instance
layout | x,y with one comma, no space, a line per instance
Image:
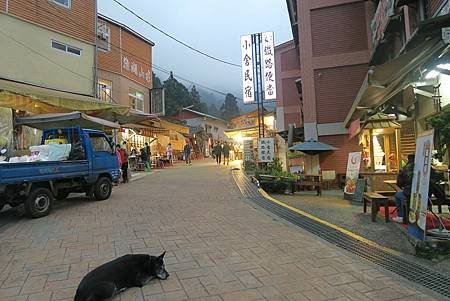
387,151
398,148
372,155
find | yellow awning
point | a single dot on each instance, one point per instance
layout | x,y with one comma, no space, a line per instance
38,100
53,100
385,81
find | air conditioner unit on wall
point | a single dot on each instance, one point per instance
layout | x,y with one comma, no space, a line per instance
103,31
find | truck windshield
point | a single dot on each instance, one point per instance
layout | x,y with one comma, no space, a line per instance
100,143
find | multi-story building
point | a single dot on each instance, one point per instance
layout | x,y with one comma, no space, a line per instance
213,126
408,80
59,56
326,63
124,65
49,43
47,53
289,99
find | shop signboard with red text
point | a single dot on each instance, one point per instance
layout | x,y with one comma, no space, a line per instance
353,165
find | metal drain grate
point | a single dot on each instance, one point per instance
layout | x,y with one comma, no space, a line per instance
409,270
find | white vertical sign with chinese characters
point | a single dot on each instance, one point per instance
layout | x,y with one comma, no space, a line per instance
268,61
247,69
266,149
418,203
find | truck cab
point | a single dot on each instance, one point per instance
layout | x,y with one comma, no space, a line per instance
91,168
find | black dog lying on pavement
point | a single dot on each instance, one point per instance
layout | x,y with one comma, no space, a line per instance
113,277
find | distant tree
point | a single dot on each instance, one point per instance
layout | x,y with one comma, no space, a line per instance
177,95
230,108
214,111
198,105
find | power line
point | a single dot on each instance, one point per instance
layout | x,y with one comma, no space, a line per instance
139,59
175,39
50,60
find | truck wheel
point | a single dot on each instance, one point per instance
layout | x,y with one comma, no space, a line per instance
102,189
62,195
39,203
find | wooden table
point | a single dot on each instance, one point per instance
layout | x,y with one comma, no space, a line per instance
312,181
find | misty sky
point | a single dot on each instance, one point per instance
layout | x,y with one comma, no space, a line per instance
213,26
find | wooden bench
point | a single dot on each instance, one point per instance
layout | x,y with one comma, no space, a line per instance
376,199
311,184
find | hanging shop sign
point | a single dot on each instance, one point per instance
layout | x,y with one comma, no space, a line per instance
266,149
268,55
352,174
248,150
420,184
380,21
247,69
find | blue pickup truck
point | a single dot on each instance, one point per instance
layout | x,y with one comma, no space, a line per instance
91,168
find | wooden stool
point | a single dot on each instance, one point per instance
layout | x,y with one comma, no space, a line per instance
376,199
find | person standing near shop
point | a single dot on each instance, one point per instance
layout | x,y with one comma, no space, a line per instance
147,150
217,150
404,181
226,153
187,153
144,157
124,160
119,159
169,153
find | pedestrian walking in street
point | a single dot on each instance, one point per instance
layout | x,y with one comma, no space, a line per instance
124,159
187,153
147,150
169,153
119,159
144,158
217,151
226,153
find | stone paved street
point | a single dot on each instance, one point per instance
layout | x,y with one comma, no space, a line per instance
219,247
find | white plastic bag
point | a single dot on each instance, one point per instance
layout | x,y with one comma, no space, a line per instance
58,152
40,150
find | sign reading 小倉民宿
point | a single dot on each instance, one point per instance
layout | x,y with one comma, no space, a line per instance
266,149
258,67
247,69
268,61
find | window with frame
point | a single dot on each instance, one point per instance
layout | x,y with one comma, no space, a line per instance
104,90
136,100
66,48
100,143
64,3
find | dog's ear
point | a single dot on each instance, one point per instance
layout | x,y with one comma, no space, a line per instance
162,255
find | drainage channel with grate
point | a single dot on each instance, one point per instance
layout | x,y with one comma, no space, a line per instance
409,270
